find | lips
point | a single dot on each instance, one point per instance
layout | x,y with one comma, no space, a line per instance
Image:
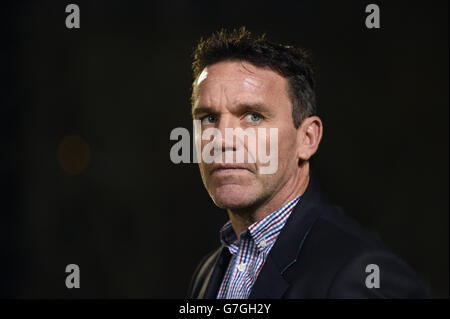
227,168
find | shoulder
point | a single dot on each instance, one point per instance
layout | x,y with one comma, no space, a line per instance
345,261
342,232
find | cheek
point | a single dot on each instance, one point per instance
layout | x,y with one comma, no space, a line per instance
288,138
270,143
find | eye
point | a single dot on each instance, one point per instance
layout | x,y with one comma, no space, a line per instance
253,117
209,119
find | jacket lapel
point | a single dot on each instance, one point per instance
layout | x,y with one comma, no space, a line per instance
215,275
271,282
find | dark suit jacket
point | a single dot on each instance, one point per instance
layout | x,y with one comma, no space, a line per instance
320,253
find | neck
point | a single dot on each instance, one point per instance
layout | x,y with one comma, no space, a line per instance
295,186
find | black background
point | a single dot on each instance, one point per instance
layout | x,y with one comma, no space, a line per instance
137,224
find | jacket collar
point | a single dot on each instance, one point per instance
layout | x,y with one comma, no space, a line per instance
271,282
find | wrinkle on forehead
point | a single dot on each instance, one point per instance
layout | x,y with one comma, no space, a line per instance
234,79
251,82
246,76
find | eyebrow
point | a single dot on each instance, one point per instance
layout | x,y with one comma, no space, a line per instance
240,108
196,111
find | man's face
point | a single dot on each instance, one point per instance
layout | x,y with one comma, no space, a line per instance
237,94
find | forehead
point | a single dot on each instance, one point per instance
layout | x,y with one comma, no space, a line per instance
233,81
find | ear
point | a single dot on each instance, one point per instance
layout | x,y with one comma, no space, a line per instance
309,134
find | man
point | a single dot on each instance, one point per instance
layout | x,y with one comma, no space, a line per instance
284,238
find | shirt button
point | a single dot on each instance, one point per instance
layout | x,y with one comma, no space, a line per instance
241,267
263,243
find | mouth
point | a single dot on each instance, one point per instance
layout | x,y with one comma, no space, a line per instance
227,169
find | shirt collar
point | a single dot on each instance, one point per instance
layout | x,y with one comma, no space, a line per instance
263,232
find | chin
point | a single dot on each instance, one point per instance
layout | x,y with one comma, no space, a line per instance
232,196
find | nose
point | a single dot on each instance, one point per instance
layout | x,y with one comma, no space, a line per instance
226,140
